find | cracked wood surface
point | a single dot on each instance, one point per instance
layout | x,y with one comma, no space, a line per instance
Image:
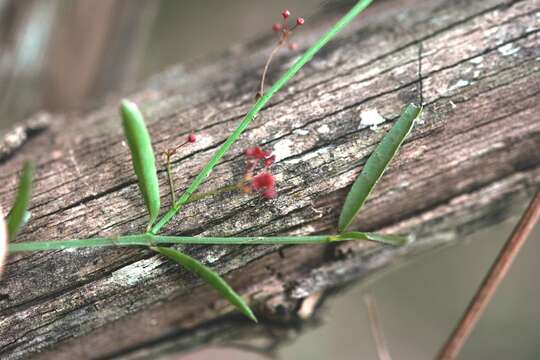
472,156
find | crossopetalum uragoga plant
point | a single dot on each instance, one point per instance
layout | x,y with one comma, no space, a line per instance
144,167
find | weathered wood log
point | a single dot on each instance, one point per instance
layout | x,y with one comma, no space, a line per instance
475,66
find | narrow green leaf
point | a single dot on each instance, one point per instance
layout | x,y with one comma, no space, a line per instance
395,240
18,212
210,276
3,240
142,156
376,165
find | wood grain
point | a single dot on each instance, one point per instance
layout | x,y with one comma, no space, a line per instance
471,158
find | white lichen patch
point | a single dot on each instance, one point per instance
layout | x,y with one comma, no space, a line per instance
459,84
203,140
477,60
371,118
283,149
508,49
134,273
301,132
420,120
323,129
214,254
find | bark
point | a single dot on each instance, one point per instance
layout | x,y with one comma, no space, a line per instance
471,158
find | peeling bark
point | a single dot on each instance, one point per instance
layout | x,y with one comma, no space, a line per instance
471,157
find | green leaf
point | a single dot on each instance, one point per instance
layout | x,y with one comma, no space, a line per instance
3,240
18,212
376,165
208,275
395,240
142,156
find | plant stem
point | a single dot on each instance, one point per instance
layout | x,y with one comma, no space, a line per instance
170,177
376,328
274,51
344,21
152,240
491,282
149,239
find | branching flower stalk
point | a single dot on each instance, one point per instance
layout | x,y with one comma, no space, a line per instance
285,33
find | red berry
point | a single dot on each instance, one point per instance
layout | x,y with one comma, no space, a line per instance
286,13
277,27
300,21
192,138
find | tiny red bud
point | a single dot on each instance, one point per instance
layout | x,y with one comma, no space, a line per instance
277,27
300,21
286,13
292,46
192,138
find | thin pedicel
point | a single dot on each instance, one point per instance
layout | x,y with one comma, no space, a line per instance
191,139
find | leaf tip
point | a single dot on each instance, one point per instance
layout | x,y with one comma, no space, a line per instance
18,213
250,315
127,104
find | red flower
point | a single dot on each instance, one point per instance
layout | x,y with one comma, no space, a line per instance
259,154
256,153
192,138
265,182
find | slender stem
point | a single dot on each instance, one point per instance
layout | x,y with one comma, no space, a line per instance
491,282
344,21
153,240
274,51
170,177
149,239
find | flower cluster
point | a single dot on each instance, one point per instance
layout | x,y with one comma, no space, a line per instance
284,30
264,181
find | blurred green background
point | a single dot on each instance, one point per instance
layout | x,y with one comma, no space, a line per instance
68,55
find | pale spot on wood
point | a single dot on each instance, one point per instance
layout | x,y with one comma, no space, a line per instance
508,49
136,272
371,118
283,149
